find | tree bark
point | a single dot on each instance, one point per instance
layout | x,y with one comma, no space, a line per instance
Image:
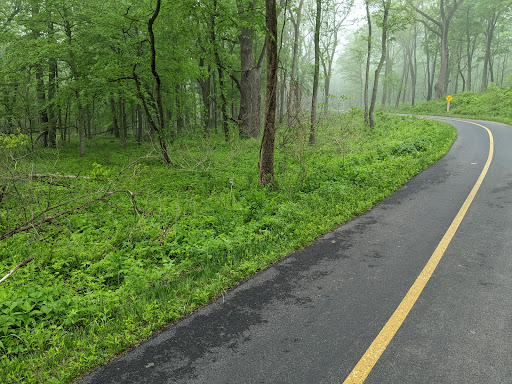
52,90
250,85
293,92
115,121
368,59
139,124
157,126
40,88
413,66
266,165
402,80
204,84
386,5
316,74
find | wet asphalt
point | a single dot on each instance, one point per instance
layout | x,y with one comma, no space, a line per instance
310,317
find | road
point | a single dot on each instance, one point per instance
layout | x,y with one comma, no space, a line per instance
312,317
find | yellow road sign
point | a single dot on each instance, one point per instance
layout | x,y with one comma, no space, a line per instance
449,98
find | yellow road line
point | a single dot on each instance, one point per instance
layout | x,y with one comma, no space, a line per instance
373,353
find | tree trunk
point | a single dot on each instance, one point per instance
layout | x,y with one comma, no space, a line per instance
266,165
52,90
442,27
139,124
282,92
386,5
387,70
368,59
402,80
115,122
489,36
442,78
220,71
76,78
124,122
159,125
293,92
40,89
204,84
180,120
413,66
316,74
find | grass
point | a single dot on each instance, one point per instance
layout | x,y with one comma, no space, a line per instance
107,277
495,104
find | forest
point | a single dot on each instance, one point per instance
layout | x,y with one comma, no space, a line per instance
155,153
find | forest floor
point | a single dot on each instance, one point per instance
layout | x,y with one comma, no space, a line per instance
151,243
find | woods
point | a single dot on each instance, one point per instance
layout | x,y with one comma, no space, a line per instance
77,68
154,153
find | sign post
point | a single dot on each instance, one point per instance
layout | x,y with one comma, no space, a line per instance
449,98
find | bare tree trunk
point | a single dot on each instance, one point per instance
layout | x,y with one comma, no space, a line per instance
250,80
293,92
413,66
41,95
247,63
115,121
204,84
159,125
52,90
139,124
386,5
124,122
387,70
266,165
368,59
402,80
316,74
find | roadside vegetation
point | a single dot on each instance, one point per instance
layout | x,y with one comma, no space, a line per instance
139,244
493,104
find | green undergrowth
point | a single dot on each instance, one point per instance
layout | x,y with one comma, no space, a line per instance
494,104
110,275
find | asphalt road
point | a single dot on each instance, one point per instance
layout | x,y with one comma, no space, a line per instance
311,317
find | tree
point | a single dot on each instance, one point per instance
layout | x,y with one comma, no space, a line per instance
368,59
266,165
293,94
157,123
335,14
441,28
316,74
386,5
250,76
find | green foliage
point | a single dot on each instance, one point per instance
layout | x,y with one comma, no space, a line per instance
104,279
411,146
493,104
13,141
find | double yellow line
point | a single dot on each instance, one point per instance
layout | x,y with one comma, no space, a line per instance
379,345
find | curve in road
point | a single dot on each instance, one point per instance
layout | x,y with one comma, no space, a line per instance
379,345
310,317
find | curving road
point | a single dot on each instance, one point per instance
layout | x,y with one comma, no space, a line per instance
312,317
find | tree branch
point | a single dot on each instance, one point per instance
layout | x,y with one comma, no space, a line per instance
428,17
20,265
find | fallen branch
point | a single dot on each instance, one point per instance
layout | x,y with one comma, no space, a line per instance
41,176
42,218
22,264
